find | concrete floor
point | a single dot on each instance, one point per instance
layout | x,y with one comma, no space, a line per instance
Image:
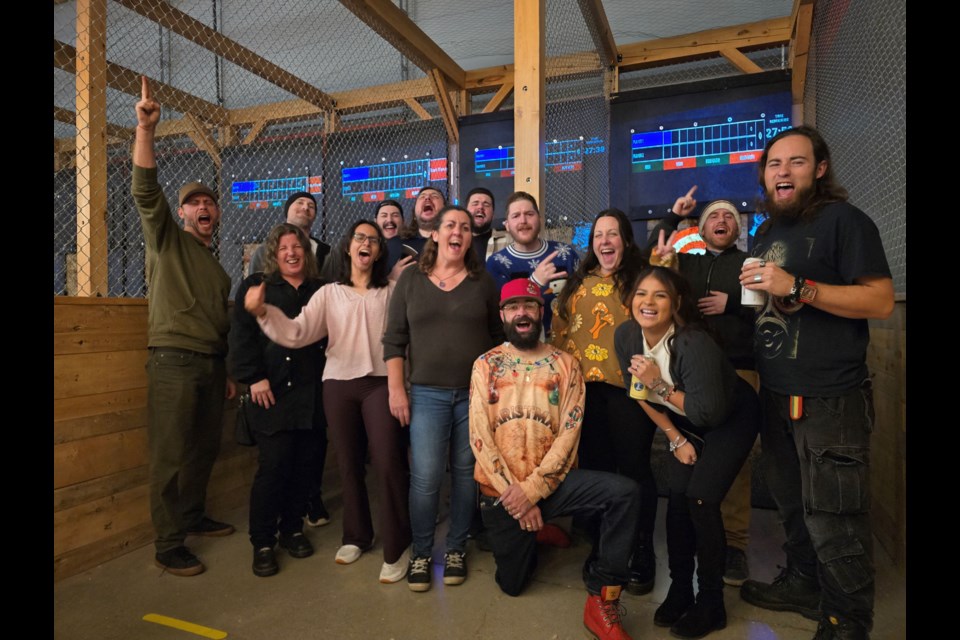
316,598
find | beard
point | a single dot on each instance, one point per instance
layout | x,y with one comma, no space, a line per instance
480,230
802,198
520,341
428,225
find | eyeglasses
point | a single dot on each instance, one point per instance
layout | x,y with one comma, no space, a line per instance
527,305
362,237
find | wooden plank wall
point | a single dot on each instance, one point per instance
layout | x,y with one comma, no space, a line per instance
887,360
100,499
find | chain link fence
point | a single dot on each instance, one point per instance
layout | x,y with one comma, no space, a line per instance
245,92
856,96
577,123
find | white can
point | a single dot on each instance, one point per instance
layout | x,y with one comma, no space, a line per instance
749,297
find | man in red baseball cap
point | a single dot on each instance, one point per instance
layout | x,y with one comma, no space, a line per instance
526,410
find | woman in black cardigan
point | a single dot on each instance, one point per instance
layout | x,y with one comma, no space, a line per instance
710,416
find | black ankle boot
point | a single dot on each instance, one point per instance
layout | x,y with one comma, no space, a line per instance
679,599
643,571
831,628
706,615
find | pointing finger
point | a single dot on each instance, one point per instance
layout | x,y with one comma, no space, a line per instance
144,88
693,190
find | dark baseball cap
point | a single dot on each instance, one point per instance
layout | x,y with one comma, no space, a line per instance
191,188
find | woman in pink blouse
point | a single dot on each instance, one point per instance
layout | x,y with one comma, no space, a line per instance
352,312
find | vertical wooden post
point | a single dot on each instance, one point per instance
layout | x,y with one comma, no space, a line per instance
529,47
91,150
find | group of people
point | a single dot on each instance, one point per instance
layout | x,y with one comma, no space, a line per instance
539,380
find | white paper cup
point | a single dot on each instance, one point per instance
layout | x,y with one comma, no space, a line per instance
749,297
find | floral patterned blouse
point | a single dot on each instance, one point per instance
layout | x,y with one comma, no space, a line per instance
595,313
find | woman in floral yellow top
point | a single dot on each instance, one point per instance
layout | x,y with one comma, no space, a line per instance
616,434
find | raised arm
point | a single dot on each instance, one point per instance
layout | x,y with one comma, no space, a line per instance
148,115
308,327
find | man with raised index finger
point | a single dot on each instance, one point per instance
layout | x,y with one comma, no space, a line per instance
187,339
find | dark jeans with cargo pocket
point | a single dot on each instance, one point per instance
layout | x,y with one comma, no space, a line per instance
818,472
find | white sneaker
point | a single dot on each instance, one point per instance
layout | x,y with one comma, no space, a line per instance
348,554
397,571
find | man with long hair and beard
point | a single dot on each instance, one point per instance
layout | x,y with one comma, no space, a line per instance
824,271
526,410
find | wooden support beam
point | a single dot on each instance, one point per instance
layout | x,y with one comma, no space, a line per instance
396,27
70,117
599,27
91,83
740,61
529,103
254,131
704,44
418,109
197,32
331,122
799,48
202,138
498,98
128,81
447,113
464,103
228,136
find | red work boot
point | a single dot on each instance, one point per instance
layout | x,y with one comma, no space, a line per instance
602,613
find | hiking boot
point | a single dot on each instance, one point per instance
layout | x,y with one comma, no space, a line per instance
602,615
832,628
789,591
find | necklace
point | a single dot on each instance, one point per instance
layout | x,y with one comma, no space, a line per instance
442,282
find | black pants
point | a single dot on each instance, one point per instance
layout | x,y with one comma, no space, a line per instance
697,490
278,497
617,437
613,499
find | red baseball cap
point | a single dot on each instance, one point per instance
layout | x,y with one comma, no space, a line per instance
520,288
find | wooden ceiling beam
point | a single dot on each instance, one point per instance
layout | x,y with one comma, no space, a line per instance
70,117
701,44
197,32
396,27
128,81
599,27
418,109
447,113
740,61
498,98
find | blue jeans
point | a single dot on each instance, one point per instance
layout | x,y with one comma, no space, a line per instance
818,472
440,419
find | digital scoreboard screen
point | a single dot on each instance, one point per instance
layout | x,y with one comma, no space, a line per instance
710,134
391,180
271,192
560,156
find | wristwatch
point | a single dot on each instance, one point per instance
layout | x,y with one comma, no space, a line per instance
808,291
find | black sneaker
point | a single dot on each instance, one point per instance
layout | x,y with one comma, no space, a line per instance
790,591
210,527
296,544
264,562
418,575
179,562
317,514
454,567
737,571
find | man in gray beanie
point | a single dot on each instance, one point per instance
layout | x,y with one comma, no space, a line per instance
715,278
299,210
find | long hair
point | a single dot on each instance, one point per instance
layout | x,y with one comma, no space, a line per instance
630,264
826,189
428,257
338,268
272,242
686,316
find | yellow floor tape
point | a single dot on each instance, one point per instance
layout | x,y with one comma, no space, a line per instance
200,630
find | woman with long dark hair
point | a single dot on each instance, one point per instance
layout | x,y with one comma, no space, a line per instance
711,417
443,315
352,312
616,435
286,413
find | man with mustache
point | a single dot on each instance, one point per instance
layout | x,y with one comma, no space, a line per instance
715,279
480,204
389,217
526,411
529,256
187,339
824,272
430,201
